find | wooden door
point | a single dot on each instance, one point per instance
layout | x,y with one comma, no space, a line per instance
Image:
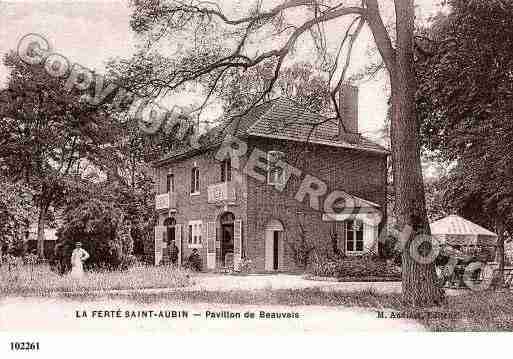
237,244
268,250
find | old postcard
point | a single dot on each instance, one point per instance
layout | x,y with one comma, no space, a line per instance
263,167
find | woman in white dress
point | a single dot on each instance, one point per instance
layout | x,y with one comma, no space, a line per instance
78,257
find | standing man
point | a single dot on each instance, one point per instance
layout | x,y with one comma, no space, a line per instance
173,252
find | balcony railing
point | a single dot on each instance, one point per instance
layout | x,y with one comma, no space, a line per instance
166,201
221,192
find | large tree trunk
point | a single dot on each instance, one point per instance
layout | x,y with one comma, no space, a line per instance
43,210
419,281
498,282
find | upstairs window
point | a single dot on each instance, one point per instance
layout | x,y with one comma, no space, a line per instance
226,170
354,236
275,170
170,183
195,185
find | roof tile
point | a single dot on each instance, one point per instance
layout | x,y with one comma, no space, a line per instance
280,118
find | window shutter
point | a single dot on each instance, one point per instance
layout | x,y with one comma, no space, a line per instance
161,182
157,179
159,233
341,235
269,168
197,180
349,236
192,180
211,237
170,183
370,238
211,245
159,237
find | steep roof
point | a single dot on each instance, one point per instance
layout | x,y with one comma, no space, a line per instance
281,118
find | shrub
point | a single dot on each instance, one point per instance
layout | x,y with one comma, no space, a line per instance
192,264
129,261
11,262
31,259
101,228
361,266
245,265
300,248
390,250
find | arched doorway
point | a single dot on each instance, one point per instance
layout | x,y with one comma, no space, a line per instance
227,244
170,224
274,245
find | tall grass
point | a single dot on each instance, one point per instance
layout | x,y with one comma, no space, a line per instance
285,297
40,280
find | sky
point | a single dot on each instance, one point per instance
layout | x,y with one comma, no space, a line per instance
92,32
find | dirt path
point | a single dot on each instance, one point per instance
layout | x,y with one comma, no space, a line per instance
286,281
56,314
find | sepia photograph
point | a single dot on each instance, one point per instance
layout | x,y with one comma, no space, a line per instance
255,167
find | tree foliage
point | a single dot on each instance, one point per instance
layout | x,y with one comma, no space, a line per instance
465,105
50,133
64,149
300,82
16,211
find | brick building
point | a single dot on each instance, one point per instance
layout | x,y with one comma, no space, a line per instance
259,183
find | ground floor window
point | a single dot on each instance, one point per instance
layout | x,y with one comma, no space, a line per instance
354,236
194,239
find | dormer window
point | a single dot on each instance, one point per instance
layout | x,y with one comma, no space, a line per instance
275,169
195,184
226,170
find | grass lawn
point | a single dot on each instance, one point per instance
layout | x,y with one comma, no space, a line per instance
476,311
472,311
40,280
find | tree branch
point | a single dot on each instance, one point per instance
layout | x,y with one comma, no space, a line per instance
352,39
381,37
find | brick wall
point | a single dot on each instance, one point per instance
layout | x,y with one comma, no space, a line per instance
362,174
197,207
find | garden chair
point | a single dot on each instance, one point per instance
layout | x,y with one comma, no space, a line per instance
228,262
508,276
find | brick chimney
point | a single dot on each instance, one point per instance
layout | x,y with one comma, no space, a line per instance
348,107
